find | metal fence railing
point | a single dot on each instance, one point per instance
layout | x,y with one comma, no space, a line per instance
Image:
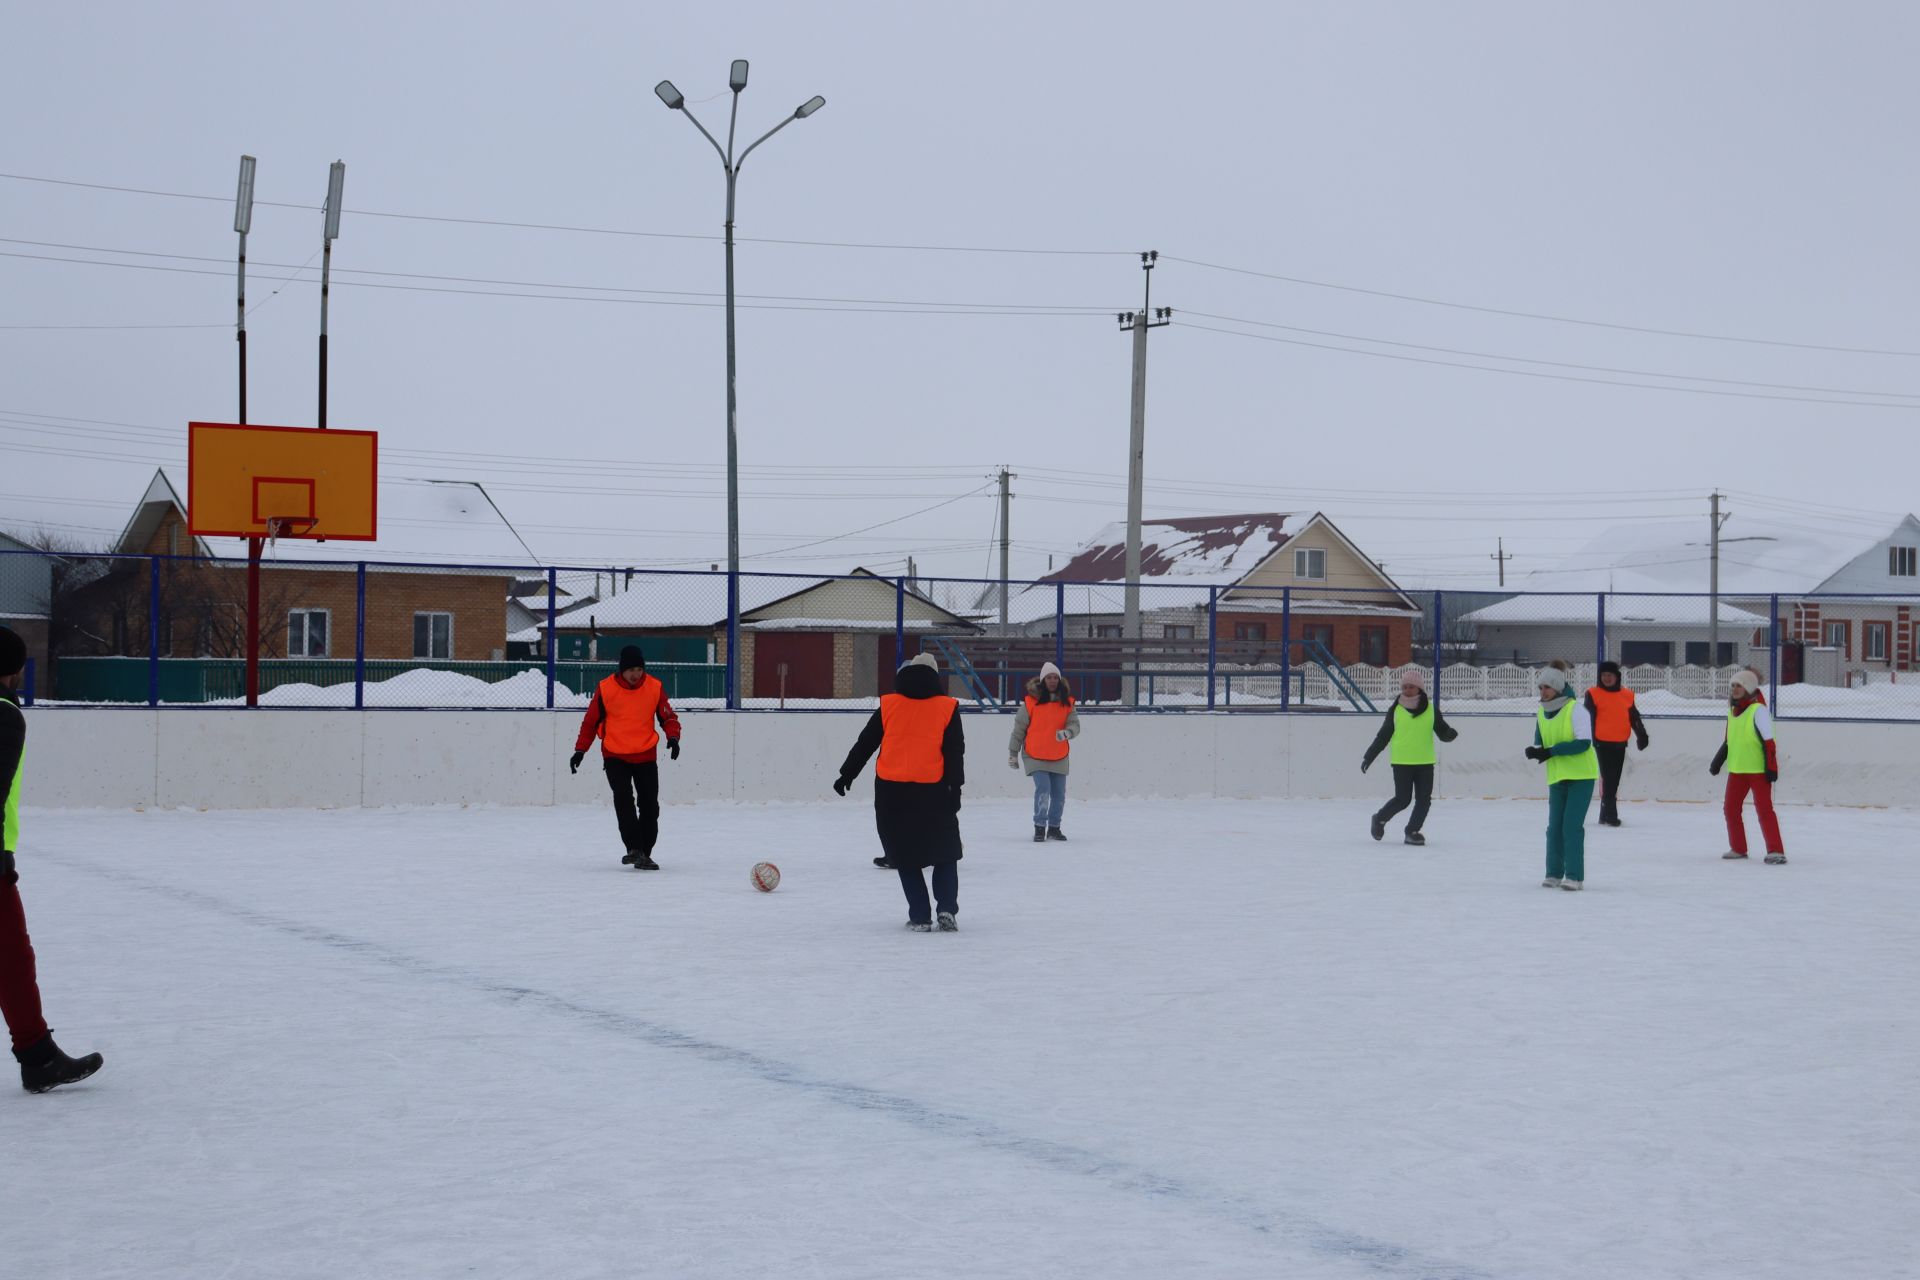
170,631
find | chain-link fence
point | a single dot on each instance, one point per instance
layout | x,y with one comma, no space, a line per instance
335,632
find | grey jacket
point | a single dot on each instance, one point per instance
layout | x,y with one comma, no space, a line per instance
1016,745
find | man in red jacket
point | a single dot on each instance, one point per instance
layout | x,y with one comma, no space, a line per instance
623,714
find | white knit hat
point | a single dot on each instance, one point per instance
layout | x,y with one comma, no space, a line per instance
921,660
1048,669
1414,675
1746,680
1555,678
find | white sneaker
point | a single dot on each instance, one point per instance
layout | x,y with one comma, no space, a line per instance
1572,884
918,926
1551,882
945,923
1775,859
1731,856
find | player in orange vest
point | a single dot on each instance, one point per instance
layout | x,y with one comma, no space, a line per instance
625,709
916,789
1615,717
1043,726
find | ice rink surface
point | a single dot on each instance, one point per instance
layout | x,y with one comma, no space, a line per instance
1226,1038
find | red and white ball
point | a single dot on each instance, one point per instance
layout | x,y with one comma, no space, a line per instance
766,877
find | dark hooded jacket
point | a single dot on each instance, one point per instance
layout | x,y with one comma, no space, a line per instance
919,822
1383,739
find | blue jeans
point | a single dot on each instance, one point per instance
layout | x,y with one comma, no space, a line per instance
1049,798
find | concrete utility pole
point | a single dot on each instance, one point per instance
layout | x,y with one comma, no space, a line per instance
1713,591
1006,541
1501,555
1138,322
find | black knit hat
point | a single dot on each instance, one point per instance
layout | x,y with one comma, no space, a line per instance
1605,667
631,657
13,652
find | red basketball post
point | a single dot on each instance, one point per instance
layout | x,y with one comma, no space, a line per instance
253,622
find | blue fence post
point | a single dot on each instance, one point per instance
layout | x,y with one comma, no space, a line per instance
153,633
1213,641
1286,648
1599,630
899,623
1773,653
1439,641
553,641
733,639
360,636
1060,625
26,693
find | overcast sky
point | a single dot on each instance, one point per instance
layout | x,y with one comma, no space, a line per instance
1735,169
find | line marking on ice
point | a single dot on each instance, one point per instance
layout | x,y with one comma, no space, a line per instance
1318,1238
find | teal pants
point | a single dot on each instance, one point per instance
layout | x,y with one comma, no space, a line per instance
1567,828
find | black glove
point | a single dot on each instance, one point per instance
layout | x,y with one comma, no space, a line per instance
1366,763
1714,768
1640,743
1539,753
573,765
840,785
955,792
673,748
7,873
1773,776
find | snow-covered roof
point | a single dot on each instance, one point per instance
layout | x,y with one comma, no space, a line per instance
1622,611
1191,551
658,601
1758,557
451,522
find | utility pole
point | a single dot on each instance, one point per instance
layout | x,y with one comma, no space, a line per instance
1502,556
1006,541
1138,322
1713,591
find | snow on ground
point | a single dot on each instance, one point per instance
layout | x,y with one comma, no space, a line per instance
1202,1039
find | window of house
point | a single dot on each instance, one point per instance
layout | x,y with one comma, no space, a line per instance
1903,562
307,633
1320,633
1310,562
433,635
1874,642
1178,631
1648,653
1373,646
1836,635
1108,631
1697,653
1249,631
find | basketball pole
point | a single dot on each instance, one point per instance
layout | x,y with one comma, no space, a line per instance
243,223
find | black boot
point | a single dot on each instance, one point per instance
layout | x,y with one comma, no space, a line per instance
883,864
1414,837
1039,834
1055,833
1377,826
44,1067
643,861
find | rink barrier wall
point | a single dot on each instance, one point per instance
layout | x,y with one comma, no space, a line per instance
267,759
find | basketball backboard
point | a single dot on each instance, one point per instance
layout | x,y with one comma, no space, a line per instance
290,482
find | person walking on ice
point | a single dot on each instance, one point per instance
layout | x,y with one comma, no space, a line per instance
42,1065
1563,741
1407,734
1044,725
916,789
1752,766
626,708
1615,718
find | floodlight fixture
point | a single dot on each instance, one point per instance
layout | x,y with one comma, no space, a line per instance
243,199
674,99
737,78
810,106
336,181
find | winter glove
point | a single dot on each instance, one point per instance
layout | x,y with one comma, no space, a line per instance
1013,762
673,748
955,793
1061,735
573,764
1366,763
1640,743
1719,758
1773,776
840,786
1539,753
7,873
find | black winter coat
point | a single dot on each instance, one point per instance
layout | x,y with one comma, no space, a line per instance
919,822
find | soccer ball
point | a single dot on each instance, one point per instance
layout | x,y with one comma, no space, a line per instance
766,877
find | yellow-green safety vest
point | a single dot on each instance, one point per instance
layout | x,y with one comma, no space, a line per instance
1574,768
1746,753
10,824
1412,736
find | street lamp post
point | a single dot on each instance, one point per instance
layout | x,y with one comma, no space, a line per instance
330,231
242,224
676,101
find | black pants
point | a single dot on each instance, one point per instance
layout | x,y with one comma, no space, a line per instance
1613,758
946,890
636,802
1412,785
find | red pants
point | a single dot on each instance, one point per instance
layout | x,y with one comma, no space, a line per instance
1738,785
19,988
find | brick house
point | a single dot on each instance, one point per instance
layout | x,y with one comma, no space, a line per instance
421,601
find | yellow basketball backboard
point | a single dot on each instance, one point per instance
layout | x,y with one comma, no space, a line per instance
296,482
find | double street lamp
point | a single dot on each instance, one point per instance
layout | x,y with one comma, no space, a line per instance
676,101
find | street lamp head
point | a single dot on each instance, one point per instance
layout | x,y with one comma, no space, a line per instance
737,78
810,106
670,95
243,199
336,181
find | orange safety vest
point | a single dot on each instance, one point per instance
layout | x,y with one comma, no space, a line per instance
1610,707
1044,720
627,725
914,729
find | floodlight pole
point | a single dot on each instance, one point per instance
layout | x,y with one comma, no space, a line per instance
1138,323
336,180
243,223
675,101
